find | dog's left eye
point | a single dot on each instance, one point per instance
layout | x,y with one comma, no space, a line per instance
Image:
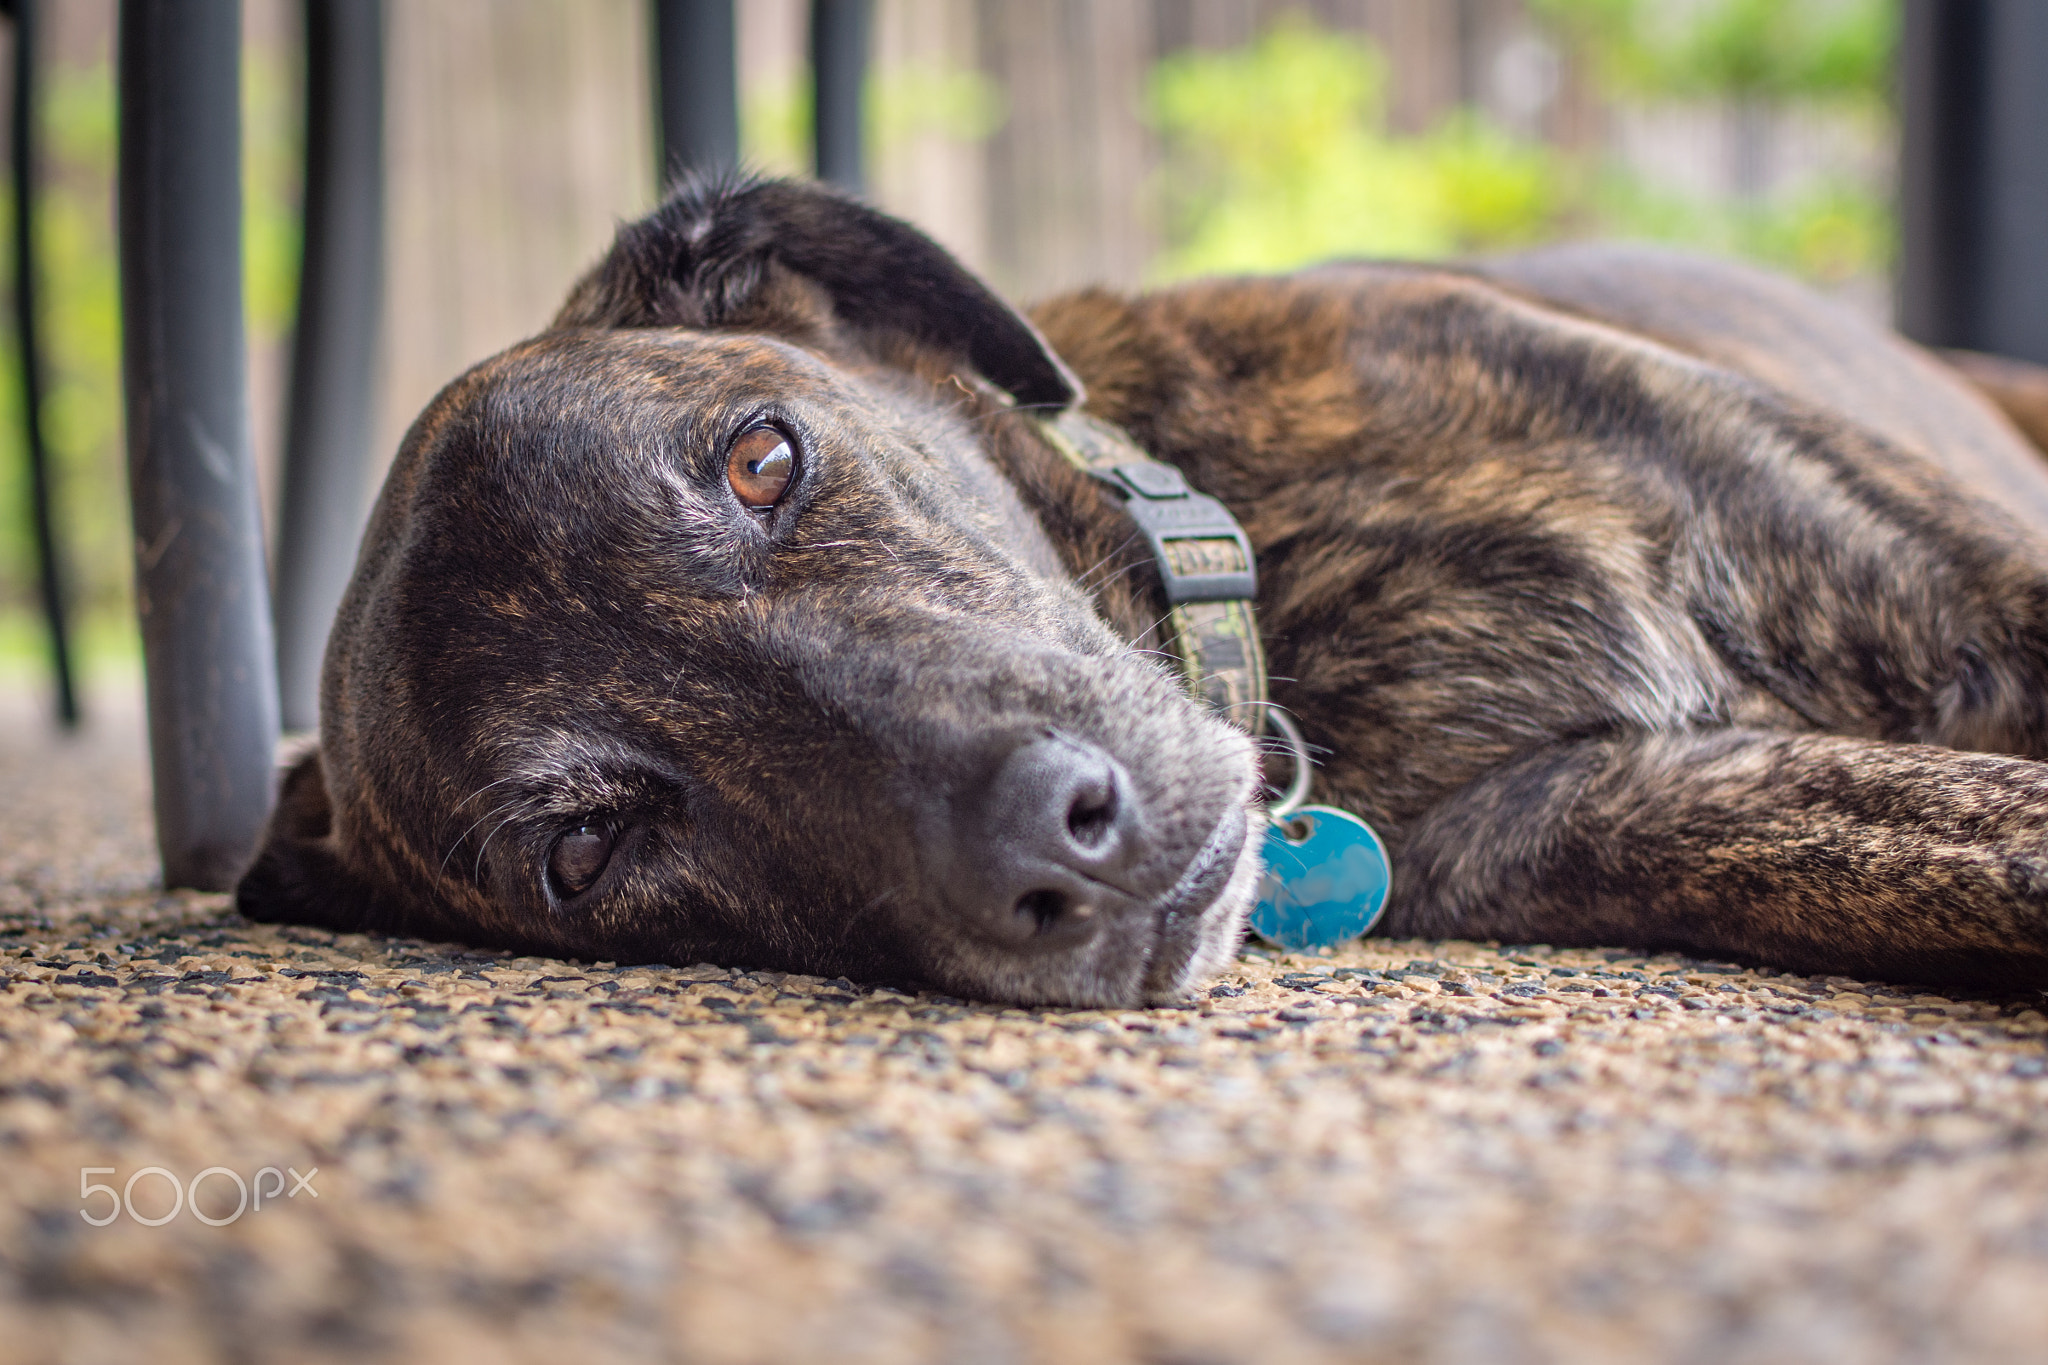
578,858
760,467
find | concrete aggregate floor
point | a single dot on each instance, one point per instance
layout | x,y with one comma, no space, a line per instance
1429,1151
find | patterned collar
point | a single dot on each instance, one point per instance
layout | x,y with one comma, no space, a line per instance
1204,560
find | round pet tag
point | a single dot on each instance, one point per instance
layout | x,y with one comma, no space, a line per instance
1326,879
1327,874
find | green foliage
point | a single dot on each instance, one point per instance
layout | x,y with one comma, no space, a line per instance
1829,234
81,334
775,127
899,104
273,139
1749,54
1734,49
1279,154
80,314
918,98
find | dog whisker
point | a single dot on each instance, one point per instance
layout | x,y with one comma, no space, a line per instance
1096,588
472,828
1155,624
479,792
881,545
1099,565
851,928
477,871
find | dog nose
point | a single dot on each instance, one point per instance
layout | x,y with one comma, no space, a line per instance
1058,828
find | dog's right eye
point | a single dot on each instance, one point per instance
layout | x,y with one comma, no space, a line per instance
760,467
578,858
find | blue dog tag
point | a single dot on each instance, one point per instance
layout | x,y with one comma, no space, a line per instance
1326,879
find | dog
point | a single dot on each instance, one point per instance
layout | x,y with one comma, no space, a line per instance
750,614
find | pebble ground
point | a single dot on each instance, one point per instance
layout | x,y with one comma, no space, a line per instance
1428,1151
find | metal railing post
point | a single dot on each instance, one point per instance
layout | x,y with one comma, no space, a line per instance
839,61
1973,178
696,87
199,572
326,495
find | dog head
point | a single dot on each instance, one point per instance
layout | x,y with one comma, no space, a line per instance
711,625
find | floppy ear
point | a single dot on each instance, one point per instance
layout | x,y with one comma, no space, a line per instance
298,877
702,257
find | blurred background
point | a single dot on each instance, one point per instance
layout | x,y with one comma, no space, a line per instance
1050,144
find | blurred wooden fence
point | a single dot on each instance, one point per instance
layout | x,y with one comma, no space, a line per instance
519,133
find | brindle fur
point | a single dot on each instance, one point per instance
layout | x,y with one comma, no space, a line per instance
1635,600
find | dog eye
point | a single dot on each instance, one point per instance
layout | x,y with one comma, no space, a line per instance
760,466
579,856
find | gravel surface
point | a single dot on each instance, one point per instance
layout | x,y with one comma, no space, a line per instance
1435,1151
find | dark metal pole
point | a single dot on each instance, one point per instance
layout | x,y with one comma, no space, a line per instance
839,60
1940,167
696,86
49,563
199,573
1973,175
2015,298
326,494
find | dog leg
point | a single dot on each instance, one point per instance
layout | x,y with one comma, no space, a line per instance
1814,852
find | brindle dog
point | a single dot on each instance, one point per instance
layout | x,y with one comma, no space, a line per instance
747,615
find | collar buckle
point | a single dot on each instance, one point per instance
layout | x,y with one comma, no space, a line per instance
1204,559
1202,553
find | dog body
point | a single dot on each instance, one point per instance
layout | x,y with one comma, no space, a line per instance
1633,600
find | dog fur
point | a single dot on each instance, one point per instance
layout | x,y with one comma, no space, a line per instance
1635,600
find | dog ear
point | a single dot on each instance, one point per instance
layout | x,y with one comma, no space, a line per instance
298,877
702,257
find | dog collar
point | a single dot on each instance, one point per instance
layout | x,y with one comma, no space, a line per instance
1327,873
1203,556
